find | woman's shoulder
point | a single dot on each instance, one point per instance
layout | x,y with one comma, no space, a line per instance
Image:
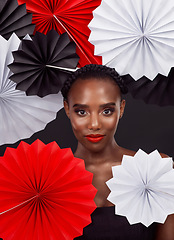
129,152
124,151
163,155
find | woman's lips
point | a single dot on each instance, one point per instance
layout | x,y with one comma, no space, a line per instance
94,137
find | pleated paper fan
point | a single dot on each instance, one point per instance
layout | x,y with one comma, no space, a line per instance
135,36
142,188
159,91
14,18
20,115
46,193
67,16
31,66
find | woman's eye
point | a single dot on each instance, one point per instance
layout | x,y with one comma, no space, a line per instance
81,112
108,111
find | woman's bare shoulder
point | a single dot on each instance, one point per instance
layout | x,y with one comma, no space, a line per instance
163,155
129,152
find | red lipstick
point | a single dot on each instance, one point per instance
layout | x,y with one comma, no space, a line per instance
94,137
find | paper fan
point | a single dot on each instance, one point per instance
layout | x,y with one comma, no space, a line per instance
135,36
14,18
142,188
30,67
159,91
21,116
68,16
46,193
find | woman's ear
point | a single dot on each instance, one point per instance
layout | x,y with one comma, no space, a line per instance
122,106
66,107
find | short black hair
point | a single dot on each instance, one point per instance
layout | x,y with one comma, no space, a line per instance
94,70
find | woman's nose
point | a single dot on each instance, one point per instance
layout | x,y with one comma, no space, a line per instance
94,122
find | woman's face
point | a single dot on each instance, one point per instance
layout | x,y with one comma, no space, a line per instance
94,108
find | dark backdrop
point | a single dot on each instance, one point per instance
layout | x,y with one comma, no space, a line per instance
148,127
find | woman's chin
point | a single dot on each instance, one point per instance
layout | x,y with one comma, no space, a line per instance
94,147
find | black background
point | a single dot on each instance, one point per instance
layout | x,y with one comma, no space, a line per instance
144,126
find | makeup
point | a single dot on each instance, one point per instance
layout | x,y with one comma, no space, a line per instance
94,137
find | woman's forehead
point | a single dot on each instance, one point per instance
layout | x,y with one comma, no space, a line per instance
94,89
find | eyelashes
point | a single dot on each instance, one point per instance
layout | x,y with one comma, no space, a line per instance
80,112
105,112
108,111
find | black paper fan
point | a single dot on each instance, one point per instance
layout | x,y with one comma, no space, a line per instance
31,63
160,91
14,18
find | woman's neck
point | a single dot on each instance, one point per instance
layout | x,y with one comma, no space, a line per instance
108,154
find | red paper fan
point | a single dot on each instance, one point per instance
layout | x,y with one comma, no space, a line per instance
68,16
46,193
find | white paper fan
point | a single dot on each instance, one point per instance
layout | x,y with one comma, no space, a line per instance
142,188
135,36
21,115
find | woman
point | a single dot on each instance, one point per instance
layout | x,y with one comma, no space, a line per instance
93,103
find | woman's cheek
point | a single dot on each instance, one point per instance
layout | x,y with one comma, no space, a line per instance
78,123
110,123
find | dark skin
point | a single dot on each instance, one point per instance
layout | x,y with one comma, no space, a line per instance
94,106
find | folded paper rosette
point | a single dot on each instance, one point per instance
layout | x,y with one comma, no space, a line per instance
46,193
134,37
20,115
142,188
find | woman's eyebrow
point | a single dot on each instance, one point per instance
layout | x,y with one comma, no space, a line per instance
108,104
101,106
80,105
